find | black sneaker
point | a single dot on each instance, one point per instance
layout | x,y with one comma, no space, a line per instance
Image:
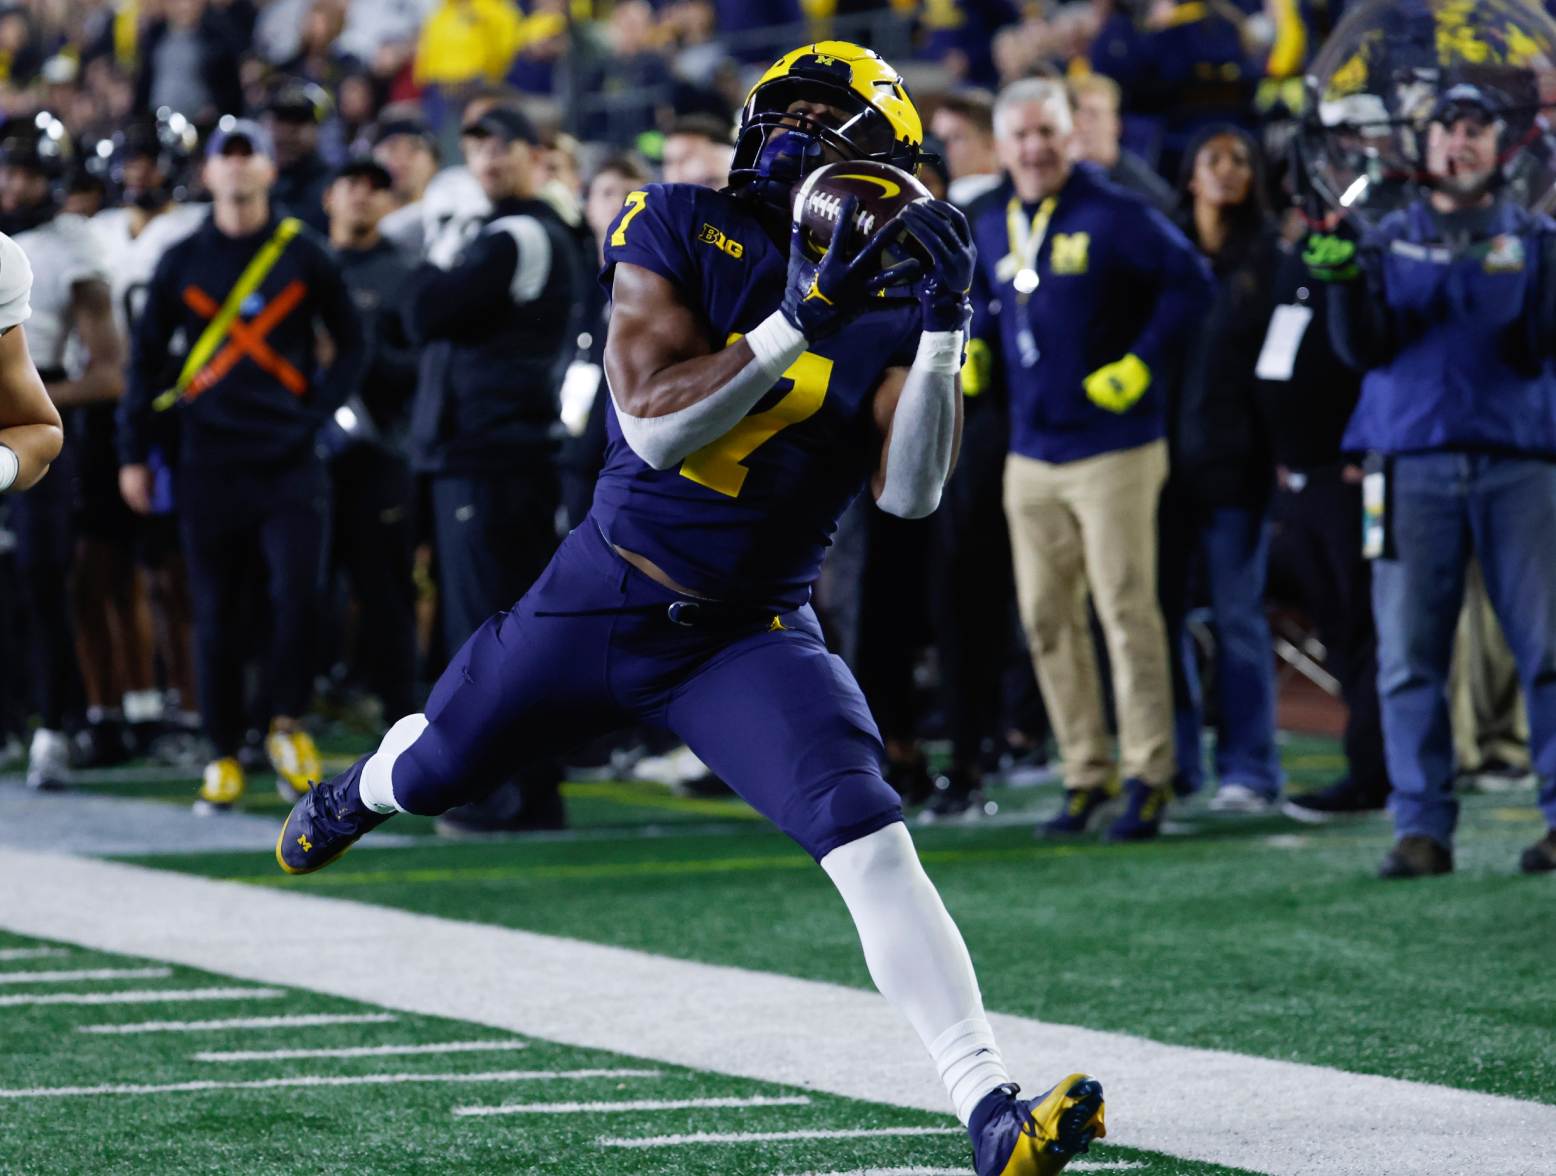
1341,799
1416,857
1540,858
955,798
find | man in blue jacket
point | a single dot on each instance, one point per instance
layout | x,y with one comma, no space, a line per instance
1095,291
1449,307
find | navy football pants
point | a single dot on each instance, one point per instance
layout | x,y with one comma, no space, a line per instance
767,709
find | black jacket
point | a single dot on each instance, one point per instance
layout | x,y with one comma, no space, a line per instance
497,332
1222,449
221,41
269,400
377,279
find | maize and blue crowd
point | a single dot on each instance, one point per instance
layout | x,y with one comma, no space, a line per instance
1172,401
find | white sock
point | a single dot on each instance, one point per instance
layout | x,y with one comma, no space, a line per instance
378,773
918,960
142,706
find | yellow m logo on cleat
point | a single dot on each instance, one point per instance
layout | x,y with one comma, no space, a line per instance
303,841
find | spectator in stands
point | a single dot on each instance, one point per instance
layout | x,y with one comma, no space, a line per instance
961,37
1443,311
698,151
374,493
294,115
1095,291
1098,128
189,62
1215,511
495,320
628,90
250,400
964,123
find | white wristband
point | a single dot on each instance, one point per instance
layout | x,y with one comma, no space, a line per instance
776,343
10,466
939,351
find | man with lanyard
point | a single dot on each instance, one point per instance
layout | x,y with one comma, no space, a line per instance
1095,291
244,293
1448,306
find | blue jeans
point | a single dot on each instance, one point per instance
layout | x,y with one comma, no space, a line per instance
1234,545
1447,507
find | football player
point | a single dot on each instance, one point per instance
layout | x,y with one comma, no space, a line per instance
31,435
756,390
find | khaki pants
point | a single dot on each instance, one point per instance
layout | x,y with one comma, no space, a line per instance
1091,524
1486,702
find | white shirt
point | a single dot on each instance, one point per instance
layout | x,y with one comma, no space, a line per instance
15,284
132,260
63,252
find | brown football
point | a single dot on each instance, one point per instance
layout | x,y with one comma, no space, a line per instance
882,191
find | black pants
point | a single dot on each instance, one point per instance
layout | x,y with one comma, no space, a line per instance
227,518
1317,554
973,588
892,621
42,520
495,534
374,541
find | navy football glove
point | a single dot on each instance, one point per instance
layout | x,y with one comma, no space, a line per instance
821,296
943,236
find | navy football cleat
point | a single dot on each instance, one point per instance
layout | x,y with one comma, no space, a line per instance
325,822
1038,1136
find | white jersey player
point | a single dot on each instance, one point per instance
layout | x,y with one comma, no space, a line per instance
30,431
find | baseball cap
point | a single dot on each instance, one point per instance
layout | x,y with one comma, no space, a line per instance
1465,99
240,129
364,167
504,122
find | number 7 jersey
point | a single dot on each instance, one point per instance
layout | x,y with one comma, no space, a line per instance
748,516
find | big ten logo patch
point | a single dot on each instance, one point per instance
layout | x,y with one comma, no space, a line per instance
1069,253
716,238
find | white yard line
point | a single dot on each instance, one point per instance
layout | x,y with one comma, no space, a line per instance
619,1108
359,1051
85,974
295,1020
140,996
1281,1118
322,1080
707,1137
7,954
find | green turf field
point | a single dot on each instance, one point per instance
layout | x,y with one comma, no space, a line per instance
408,1120
1261,937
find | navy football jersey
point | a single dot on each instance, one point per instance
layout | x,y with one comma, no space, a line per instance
748,516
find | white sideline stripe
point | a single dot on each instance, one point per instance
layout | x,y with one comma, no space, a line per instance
296,1019
768,1028
322,1080
703,1137
141,996
358,1051
85,974
616,1108
1072,1166
7,954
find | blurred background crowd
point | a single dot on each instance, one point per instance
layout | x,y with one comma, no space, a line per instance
368,110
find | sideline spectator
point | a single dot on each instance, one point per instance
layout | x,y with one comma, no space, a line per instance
1098,131
494,316
964,123
373,534
698,150
70,303
1095,290
249,410
1460,402
1215,510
